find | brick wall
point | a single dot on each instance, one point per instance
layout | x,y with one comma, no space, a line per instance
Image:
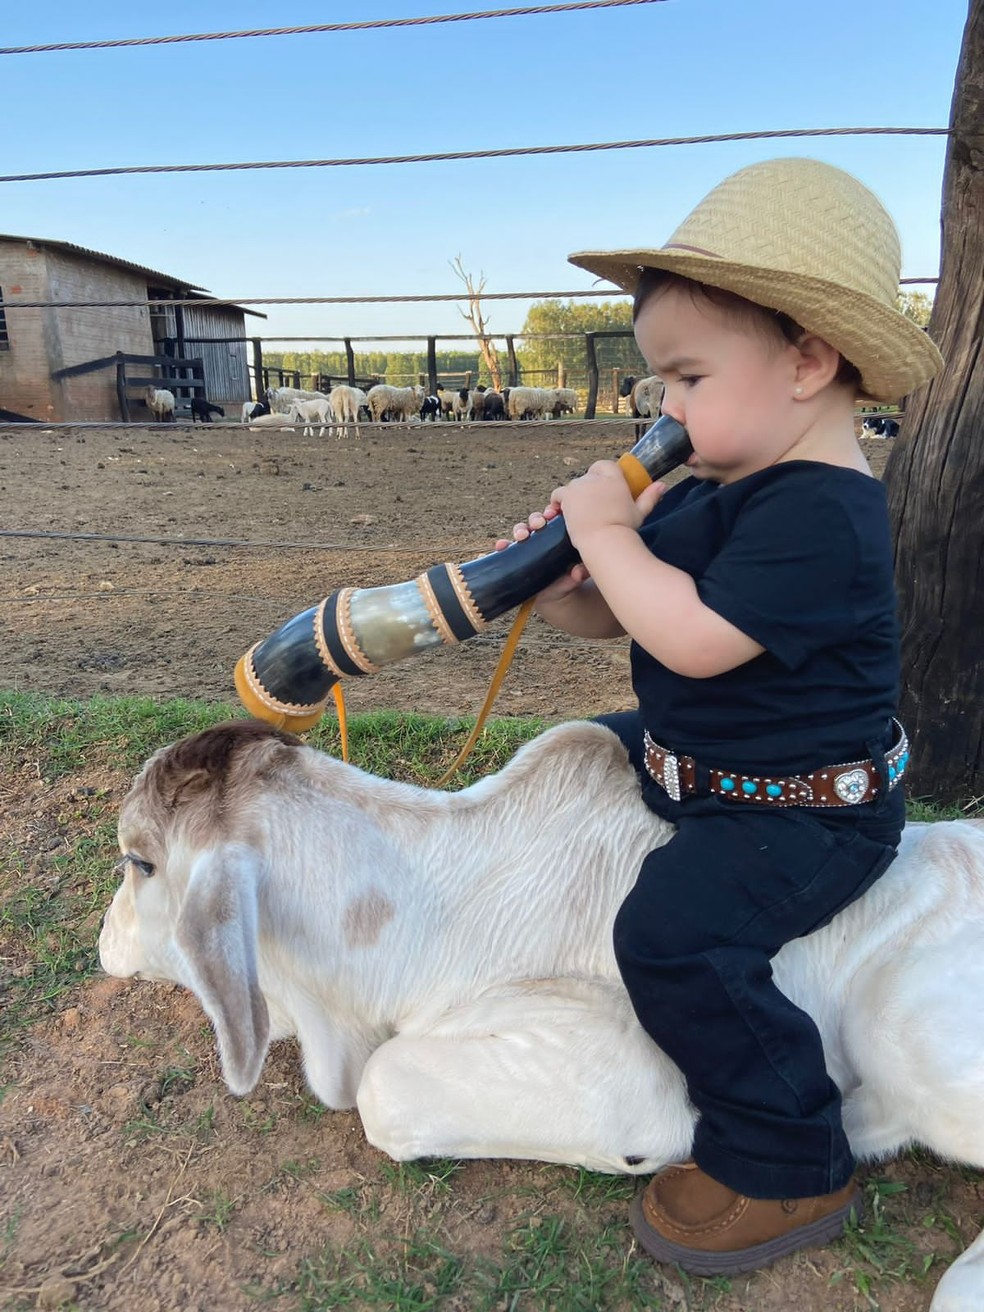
25,385
43,341
90,334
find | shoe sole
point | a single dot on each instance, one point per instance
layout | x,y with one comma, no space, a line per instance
700,1263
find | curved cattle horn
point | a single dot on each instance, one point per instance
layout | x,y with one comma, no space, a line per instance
286,678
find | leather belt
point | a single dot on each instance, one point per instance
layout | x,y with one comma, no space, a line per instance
849,784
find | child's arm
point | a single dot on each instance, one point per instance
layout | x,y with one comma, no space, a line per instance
656,604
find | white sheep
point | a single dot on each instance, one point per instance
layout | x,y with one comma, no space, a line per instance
561,401
442,969
394,403
346,402
646,397
160,403
310,413
528,402
461,405
282,423
446,398
279,399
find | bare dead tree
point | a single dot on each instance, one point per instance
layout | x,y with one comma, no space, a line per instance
935,480
476,318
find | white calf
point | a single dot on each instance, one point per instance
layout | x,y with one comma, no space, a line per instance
445,959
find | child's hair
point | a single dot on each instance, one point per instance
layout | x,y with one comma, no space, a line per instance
772,324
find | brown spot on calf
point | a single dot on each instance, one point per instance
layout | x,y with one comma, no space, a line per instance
365,918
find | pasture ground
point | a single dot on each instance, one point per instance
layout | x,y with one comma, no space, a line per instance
129,1178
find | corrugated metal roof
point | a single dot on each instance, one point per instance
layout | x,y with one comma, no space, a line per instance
70,246
160,279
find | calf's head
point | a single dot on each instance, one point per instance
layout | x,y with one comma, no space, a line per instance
192,864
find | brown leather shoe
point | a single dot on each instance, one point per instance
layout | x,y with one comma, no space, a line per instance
684,1216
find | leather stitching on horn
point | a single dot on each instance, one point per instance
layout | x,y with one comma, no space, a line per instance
434,610
319,641
464,595
265,696
347,634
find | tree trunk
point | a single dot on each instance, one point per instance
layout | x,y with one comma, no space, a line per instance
935,481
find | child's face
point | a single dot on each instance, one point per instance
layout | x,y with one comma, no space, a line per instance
730,387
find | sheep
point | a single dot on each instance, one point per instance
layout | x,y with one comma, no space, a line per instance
278,421
160,403
310,413
494,407
528,402
562,400
279,399
394,403
203,410
253,410
446,399
645,396
443,971
346,405
430,409
476,402
460,404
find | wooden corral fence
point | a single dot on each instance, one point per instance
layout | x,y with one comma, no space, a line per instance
598,385
185,378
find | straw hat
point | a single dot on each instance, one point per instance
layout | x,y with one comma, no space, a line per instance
808,239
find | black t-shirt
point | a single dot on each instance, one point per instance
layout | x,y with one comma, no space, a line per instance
798,557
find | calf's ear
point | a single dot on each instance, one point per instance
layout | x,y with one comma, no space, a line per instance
217,934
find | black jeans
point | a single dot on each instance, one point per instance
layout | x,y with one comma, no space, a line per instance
694,940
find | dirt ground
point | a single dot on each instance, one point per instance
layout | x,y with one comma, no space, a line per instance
129,1178
94,616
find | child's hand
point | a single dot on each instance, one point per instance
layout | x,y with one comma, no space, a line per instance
601,498
567,583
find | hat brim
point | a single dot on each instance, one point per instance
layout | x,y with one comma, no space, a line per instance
892,353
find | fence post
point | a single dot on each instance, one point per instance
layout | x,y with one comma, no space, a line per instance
121,395
350,361
616,379
561,374
431,366
513,366
468,374
592,362
258,379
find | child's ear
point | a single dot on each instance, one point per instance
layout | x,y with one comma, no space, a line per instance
817,365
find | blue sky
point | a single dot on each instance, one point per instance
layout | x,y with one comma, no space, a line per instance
680,68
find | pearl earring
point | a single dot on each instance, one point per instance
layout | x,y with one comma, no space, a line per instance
799,391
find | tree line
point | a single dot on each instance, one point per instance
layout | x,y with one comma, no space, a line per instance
552,338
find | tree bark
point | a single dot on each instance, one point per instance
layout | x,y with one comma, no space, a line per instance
935,481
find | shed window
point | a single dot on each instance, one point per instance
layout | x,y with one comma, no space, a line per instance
4,338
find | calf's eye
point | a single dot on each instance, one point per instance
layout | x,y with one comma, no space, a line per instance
146,868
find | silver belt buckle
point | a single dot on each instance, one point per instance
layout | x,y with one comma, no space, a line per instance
671,776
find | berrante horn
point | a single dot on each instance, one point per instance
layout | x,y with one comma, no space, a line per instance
286,679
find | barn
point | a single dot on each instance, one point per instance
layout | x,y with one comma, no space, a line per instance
92,363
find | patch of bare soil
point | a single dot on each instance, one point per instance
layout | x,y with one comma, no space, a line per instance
129,1177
